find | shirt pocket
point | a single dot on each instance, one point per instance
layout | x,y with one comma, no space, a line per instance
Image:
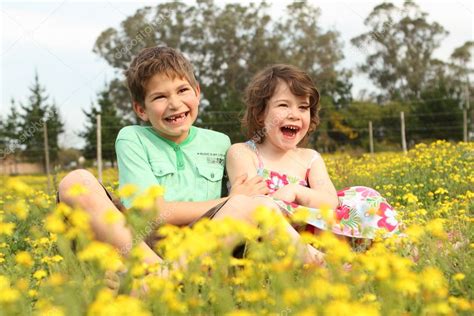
164,172
210,181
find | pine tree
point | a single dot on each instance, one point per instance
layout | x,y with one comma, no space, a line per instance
35,113
10,131
111,125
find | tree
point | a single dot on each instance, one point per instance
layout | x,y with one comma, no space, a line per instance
10,129
34,115
399,49
227,45
111,123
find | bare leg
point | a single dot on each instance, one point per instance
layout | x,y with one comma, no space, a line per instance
96,203
241,207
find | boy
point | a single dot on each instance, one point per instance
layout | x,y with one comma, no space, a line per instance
188,161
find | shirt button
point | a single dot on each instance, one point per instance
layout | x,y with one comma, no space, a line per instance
212,175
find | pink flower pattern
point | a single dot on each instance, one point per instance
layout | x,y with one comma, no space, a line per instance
360,213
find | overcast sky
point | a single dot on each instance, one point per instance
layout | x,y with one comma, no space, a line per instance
55,38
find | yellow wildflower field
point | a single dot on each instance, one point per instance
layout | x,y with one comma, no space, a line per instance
50,263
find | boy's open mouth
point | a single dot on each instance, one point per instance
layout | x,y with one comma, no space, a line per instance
290,131
177,118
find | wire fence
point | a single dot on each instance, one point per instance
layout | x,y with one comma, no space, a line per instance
397,131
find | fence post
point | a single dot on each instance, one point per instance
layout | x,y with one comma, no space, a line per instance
46,155
99,148
404,141
371,138
464,125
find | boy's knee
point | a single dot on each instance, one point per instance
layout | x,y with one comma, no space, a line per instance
79,176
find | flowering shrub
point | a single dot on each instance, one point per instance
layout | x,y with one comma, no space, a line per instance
50,263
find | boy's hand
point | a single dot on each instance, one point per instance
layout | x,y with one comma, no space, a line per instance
249,187
286,193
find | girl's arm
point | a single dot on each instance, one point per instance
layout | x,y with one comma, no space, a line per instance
321,192
240,163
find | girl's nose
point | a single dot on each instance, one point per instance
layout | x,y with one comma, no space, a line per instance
292,113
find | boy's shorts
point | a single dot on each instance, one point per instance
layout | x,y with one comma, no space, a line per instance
152,238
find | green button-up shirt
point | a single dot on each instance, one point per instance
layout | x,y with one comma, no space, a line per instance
189,171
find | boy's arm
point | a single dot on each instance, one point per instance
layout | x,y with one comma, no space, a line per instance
183,213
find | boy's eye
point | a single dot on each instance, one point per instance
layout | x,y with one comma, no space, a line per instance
283,105
183,90
158,97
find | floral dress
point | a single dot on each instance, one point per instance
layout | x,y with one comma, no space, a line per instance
361,211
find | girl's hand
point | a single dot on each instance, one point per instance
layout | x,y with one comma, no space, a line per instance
286,193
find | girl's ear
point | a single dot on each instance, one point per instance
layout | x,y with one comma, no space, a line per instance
140,111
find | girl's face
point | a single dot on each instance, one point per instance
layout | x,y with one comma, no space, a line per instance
287,118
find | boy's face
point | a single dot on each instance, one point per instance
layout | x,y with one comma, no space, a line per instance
171,106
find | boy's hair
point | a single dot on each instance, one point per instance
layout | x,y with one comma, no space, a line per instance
262,87
157,60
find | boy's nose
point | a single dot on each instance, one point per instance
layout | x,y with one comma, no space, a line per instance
173,103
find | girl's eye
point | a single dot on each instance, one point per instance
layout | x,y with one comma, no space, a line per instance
283,105
304,108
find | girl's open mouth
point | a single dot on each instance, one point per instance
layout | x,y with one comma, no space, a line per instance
289,131
178,118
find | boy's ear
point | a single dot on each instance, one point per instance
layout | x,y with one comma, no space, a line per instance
198,91
140,111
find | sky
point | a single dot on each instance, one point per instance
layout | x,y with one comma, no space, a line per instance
55,39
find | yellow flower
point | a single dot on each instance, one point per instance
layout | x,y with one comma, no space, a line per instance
292,296
301,215
368,297
106,304
410,198
433,280
18,186
435,227
24,258
7,228
40,274
460,303
112,216
32,293
19,208
103,253
77,189
127,191
155,191
7,294
143,202
441,191
54,224
342,307
240,312
459,277
56,279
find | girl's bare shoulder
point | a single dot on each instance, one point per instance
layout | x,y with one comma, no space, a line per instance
240,150
309,154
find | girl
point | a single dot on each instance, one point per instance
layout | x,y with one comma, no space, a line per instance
282,106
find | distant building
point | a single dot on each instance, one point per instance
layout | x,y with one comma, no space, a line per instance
10,166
